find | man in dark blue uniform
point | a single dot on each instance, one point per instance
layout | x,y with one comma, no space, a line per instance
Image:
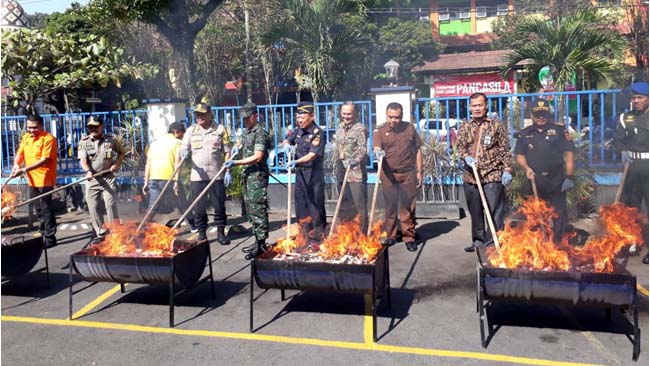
309,196
545,152
631,139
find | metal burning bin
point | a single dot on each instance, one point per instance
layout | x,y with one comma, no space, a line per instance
181,271
20,254
606,290
372,278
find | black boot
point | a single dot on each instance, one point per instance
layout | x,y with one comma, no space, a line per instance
260,247
221,236
202,235
250,248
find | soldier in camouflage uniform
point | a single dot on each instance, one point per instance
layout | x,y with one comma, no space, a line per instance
255,149
351,146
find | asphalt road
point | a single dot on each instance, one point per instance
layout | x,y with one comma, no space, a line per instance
432,321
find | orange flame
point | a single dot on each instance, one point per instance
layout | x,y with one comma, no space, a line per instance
531,244
155,240
8,203
346,240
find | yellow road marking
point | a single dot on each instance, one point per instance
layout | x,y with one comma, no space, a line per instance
294,340
367,319
86,309
642,289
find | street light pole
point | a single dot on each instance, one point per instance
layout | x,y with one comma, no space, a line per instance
249,76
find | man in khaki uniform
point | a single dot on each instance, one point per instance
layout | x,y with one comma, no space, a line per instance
352,148
401,175
209,147
98,152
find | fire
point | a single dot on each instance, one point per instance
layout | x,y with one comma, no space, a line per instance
8,203
154,240
530,243
346,241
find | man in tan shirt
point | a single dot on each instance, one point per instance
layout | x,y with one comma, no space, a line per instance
401,175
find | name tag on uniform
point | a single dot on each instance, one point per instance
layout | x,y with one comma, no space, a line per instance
487,140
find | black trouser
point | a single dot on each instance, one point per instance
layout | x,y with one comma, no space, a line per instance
496,200
549,189
45,214
355,199
218,195
183,203
309,200
635,188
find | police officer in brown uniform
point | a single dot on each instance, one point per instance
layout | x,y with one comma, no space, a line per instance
208,145
401,175
97,152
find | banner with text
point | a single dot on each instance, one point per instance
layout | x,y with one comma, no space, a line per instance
466,85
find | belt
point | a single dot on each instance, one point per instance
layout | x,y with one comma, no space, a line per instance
401,171
639,155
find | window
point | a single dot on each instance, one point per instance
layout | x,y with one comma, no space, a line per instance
463,13
481,11
502,9
444,14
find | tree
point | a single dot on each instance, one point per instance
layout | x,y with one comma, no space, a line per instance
178,21
582,44
407,42
316,32
637,17
38,64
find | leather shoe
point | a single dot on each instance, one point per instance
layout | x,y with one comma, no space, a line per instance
203,236
634,250
645,259
412,246
470,248
255,252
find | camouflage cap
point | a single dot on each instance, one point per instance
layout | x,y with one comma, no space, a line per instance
248,110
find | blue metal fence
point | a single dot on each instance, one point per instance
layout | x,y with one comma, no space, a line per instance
591,114
132,128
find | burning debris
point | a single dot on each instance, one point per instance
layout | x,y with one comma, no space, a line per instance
154,240
8,204
530,244
347,245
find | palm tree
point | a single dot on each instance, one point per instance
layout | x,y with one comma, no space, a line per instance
582,43
316,32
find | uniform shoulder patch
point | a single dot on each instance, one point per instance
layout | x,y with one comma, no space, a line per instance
316,130
316,141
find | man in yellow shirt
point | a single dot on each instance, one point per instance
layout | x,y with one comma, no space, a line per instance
36,158
160,165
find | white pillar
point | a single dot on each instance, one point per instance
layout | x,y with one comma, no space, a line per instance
404,95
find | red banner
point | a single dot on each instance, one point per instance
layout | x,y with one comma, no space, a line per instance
465,85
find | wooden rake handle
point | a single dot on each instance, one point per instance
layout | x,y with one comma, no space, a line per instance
619,190
374,196
338,202
486,208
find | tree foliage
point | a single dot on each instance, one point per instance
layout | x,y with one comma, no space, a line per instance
178,21
408,42
38,64
582,44
317,33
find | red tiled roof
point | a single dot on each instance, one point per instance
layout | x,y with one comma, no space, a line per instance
467,61
467,39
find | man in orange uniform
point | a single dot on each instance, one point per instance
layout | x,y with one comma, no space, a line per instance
36,158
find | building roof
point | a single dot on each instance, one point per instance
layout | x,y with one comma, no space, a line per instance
466,62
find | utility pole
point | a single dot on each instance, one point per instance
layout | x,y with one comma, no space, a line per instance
249,76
